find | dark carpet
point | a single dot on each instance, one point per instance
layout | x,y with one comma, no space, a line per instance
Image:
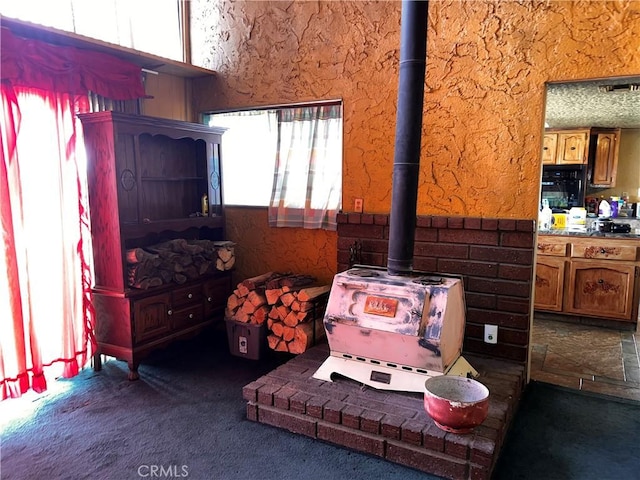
185,418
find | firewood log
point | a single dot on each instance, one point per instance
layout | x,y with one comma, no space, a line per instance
243,290
290,280
273,341
259,280
282,312
179,278
228,265
260,315
233,302
225,254
277,329
307,294
256,298
288,333
137,255
287,299
248,308
241,316
304,335
273,295
298,306
204,267
291,319
282,346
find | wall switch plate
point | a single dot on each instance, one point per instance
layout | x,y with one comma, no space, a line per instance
357,205
491,334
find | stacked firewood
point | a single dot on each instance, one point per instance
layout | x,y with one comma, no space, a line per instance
290,305
177,261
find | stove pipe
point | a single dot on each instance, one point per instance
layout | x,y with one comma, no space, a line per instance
404,194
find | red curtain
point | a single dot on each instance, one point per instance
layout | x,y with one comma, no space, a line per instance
46,315
32,63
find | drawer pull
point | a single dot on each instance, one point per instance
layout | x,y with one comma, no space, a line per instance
603,251
601,281
170,312
190,295
209,299
191,315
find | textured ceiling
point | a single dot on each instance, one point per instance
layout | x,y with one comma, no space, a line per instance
583,104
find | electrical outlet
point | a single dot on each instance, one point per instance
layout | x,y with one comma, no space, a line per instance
491,334
357,205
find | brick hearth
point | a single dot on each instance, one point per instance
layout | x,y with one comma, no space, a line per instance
390,425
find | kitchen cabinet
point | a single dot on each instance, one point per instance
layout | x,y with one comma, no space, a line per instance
604,157
151,180
565,147
550,273
602,287
592,277
549,283
549,148
572,147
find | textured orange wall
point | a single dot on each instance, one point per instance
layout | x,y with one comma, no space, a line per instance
288,250
486,69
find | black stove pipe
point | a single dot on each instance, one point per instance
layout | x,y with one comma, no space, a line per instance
404,194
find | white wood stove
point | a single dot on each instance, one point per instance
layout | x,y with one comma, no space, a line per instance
394,332
393,329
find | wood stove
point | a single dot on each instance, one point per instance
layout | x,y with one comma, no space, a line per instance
394,329
394,332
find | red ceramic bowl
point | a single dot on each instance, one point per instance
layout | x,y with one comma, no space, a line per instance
456,404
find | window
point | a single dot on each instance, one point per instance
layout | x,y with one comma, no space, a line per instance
289,159
248,155
151,26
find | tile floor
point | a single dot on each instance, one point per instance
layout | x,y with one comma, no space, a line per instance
588,358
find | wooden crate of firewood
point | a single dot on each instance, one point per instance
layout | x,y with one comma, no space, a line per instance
291,305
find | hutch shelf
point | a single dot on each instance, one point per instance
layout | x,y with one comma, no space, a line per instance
151,180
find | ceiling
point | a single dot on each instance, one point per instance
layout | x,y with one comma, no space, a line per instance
588,104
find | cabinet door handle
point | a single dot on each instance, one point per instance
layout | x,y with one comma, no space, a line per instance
191,315
572,148
190,295
170,312
209,299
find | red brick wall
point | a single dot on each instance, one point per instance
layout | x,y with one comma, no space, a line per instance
494,256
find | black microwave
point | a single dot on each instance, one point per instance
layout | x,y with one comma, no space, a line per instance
563,186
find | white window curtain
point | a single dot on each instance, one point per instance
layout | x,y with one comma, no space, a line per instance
307,182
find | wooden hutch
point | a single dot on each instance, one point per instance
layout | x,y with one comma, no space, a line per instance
147,179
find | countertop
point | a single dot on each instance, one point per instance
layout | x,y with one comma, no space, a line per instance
635,233
591,230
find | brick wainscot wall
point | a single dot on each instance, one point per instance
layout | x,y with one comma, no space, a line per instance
495,258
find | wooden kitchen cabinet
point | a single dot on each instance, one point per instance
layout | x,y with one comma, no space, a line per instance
549,148
549,283
602,288
572,147
550,273
604,157
148,179
565,147
588,276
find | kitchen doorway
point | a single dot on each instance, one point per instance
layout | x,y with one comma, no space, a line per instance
570,351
